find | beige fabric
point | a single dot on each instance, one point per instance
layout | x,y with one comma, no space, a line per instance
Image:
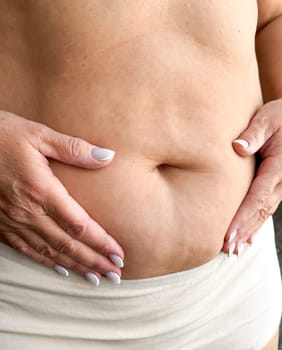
228,303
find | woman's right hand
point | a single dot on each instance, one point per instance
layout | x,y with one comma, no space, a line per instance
37,215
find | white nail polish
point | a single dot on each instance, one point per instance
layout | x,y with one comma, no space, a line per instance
116,260
231,249
243,143
61,270
232,235
240,249
91,277
113,277
102,154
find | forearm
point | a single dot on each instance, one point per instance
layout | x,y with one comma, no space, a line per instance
269,56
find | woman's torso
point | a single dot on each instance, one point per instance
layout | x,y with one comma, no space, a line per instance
166,84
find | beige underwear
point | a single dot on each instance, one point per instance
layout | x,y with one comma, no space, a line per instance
228,303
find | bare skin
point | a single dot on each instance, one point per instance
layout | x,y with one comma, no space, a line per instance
168,86
264,133
134,84
127,76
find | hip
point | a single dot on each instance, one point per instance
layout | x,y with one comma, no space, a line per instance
227,303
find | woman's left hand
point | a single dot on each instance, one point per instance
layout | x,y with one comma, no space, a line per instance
264,134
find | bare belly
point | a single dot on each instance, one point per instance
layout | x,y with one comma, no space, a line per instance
167,103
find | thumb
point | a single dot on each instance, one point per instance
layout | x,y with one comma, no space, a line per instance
72,150
259,130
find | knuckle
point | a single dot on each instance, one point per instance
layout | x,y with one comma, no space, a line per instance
263,204
21,245
77,229
42,259
265,209
68,247
96,267
47,251
24,248
75,144
97,264
263,120
259,128
72,265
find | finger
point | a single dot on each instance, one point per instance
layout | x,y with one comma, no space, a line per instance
71,247
15,241
261,127
77,223
44,249
78,257
38,250
66,238
274,201
260,202
71,150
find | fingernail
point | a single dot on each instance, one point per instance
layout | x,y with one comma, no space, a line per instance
102,154
232,235
117,260
113,277
61,270
243,143
241,248
231,249
91,277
